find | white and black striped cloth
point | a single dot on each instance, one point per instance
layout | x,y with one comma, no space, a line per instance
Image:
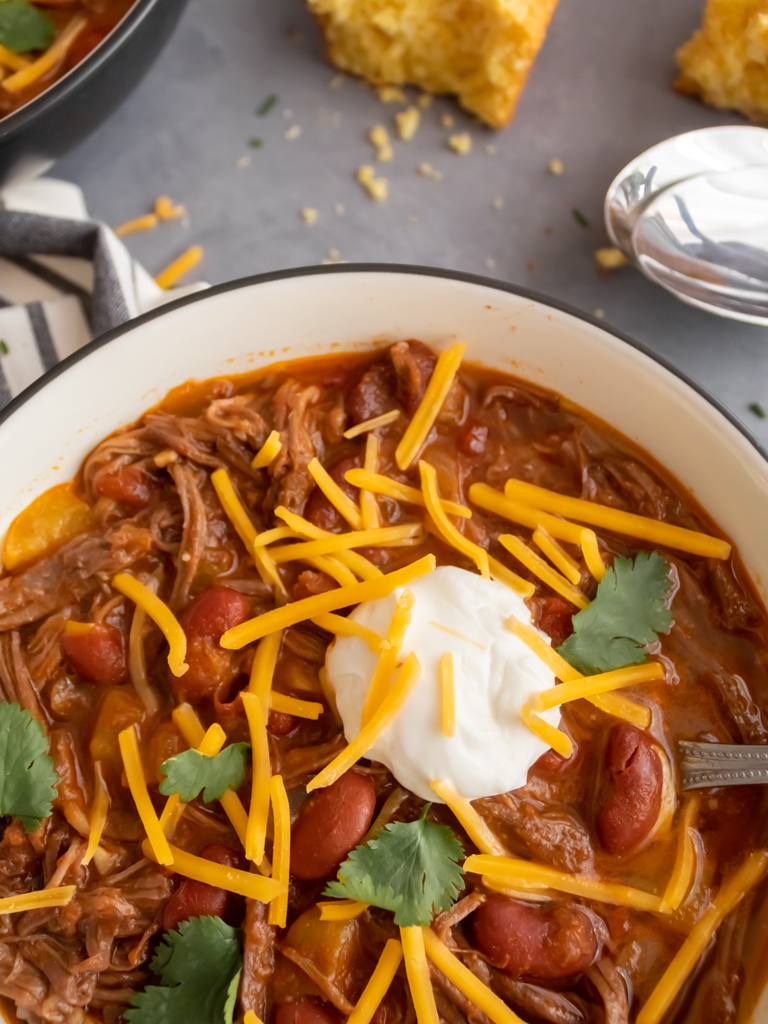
64,279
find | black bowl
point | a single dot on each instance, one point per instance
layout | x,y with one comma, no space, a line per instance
37,134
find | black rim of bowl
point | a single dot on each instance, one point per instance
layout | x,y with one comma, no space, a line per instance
376,268
57,91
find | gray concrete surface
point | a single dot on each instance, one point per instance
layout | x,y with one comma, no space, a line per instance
598,95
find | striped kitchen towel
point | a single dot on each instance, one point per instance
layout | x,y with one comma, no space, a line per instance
64,279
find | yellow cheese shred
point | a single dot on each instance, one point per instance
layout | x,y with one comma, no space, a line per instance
318,604
78,628
385,666
417,972
340,625
275,534
588,686
518,512
245,530
166,209
14,61
161,615
685,861
292,706
440,383
458,635
41,899
626,523
539,568
557,555
134,773
382,717
268,451
98,814
591,551
361,566
445,527
612,704
167,278
281,869
502,574
52,56
243,883
211,743
341,910
256,832
378,484
475,826
686,958
263,669
547,733
378,984
252,1018
337,542
368,505
129,227
343,504
367,425
522,874
447,695
332,567
466,982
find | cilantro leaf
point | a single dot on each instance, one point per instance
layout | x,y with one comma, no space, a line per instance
409,867
27,776
199,966
24,27
626,614
190,772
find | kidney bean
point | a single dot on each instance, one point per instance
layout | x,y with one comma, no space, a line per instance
281,724
331,822
129,485
319,510
98,655
527,941
632,790
214,612
374,394
210,667
305,1011
554,617
414,363
199,899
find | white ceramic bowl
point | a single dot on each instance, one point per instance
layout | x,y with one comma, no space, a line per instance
46,432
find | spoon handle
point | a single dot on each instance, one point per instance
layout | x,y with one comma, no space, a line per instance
721,764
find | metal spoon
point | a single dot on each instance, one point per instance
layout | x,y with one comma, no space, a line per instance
722,764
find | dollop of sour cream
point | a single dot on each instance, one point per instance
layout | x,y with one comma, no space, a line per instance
495,673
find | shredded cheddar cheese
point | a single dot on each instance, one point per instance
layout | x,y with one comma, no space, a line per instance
256,831
445,527
458,635
368,505
245,530
382,716
343,504
475,827
292,706
591,551
588,686
275,534
359,565
378,484
685,861
385,667
145,223
378,421
268,451
40,899
466,982
167,278
341,910
557,555
417,972
547,733
447,695
523,874
621,707
337,542
166,209
378,984
252,1018
340,625
78,628
98,814
318,604
517,512
502,574
242,883
440,384
13,61
161,615
539,568
686,958
55,53
281,869
332,567
626,523
134,773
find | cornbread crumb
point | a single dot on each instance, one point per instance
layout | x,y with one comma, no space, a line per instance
425,100
610,259
481,51
377,188
241,162
379,136
461,144
726,60
407,123
447,120
293,132
309,215
556,166
391,94
428,171
497,203
339,209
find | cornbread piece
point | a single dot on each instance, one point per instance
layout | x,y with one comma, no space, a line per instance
481,50
726,61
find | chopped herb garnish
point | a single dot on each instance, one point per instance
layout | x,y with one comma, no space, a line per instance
758,410
409,868
24,27
267,105
191,772
579,217
255,143
4,347
199,966
628,611
27,776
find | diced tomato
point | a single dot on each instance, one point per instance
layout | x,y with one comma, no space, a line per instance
214,612
130,485
98,655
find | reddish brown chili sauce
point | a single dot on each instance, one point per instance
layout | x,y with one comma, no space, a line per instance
566,961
